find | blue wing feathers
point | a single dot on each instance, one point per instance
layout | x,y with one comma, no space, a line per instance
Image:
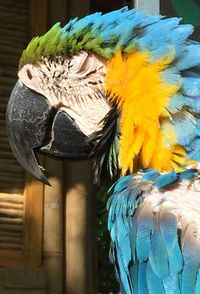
158,257
168,229
145,227
189,58
166,180
191,255
188,174
142,278
191,86
171,284
197,287
154,283
147,248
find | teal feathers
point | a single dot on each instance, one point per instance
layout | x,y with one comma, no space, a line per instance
151,256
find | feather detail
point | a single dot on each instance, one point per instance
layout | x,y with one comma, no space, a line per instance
155,284
145,227
142,279
190,57
166,180
191,255
158,257
162,250
141,108
168,225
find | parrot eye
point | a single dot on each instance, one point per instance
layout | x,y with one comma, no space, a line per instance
29,75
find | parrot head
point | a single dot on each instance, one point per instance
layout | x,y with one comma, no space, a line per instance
58,104
56,107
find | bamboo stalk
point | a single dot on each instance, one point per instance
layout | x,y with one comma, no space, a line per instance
53,218
10,246
19,4
2,107
6,220
9,15
7,80
9,71
11,26
7,184
2,123
5,8
4,139
4,145
18,176
17,35
12,167
5,90
8,59
9,3
10,239
80,223
6,93
4,154
11,212
12,234
11,163
4,99
3,131
9,42
11,227
17,206
13,198
15,10
7,188
12,180
2,115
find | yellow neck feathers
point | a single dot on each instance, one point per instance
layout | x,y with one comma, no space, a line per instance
147,137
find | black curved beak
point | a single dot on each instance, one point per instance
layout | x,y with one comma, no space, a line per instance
33,124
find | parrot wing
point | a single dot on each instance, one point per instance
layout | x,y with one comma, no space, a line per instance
155,233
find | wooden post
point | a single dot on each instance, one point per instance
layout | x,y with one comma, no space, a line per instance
80,210
53,196
80,215
149,7
53,227
80,229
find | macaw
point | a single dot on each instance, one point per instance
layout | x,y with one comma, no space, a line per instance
124,89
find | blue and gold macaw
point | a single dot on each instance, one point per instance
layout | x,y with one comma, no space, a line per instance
124,89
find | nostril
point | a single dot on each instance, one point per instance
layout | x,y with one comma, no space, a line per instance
29,74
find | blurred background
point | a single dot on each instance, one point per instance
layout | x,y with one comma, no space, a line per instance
54,239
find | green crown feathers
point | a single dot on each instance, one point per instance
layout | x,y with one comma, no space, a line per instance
56,42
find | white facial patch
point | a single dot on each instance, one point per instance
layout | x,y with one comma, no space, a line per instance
74,84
